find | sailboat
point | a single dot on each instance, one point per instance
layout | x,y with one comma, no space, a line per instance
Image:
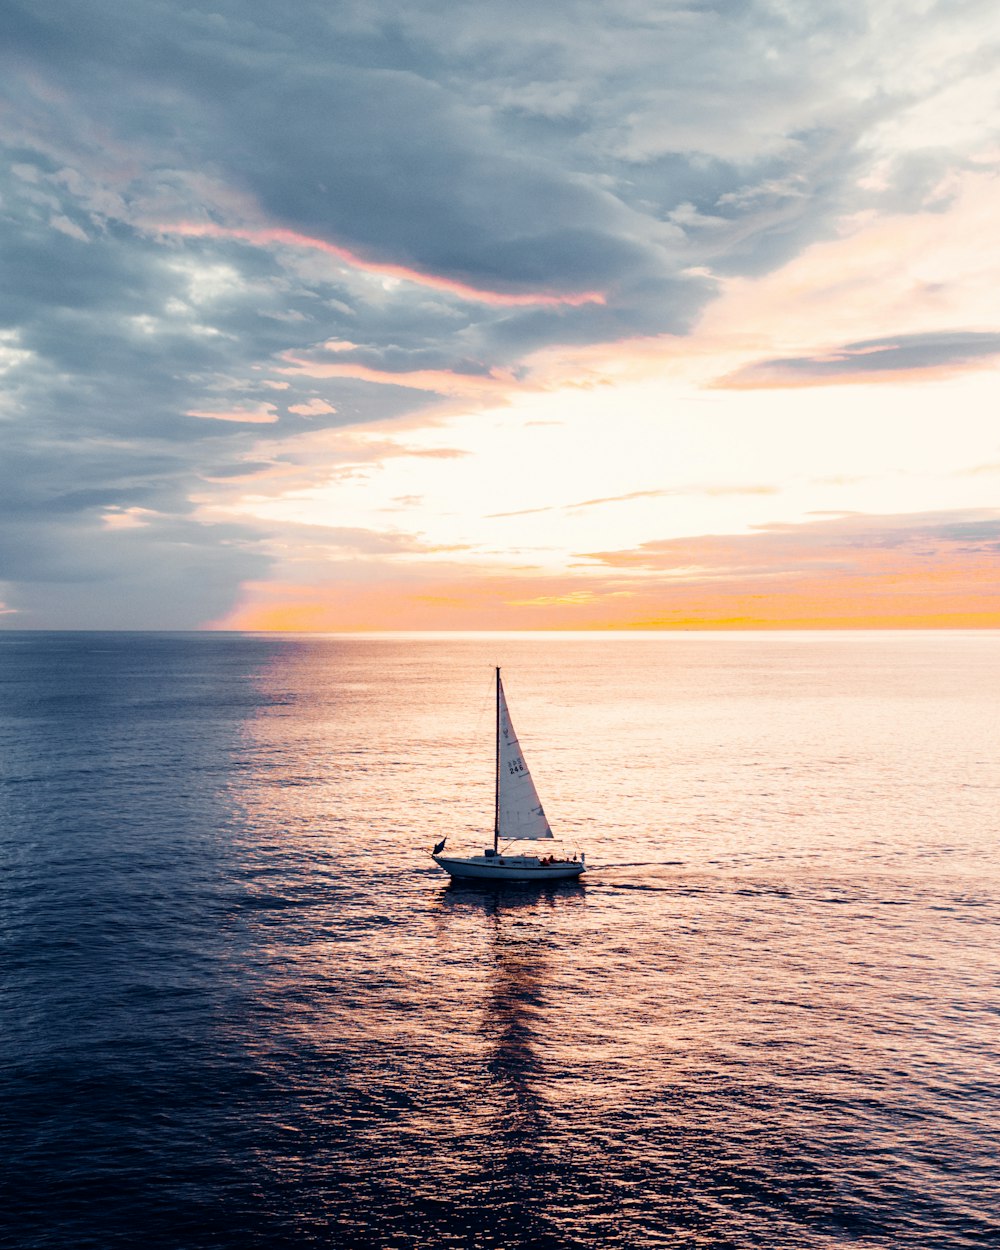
518,817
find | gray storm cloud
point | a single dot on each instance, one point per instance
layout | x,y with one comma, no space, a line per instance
859,362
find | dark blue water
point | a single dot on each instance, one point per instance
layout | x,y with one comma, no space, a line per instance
240,1008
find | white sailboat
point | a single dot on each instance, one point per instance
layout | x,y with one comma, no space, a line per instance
518,817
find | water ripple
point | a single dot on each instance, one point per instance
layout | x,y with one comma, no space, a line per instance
242,1010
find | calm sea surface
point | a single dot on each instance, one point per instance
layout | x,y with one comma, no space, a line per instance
241,1008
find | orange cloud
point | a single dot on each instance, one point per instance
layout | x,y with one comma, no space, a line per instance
854,571
265,236
843,572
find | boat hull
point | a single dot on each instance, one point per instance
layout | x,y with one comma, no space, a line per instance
515,868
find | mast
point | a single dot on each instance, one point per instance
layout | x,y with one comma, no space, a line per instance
496,798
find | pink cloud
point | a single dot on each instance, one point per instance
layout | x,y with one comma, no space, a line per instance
262,414
314,408
440,381
265,236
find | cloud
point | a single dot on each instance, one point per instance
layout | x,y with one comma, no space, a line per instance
836,542
847,570
870,359
857,570
312,408
160,573
289,238
712,491
260,414
198,202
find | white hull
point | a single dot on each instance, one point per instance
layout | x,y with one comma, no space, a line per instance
508,868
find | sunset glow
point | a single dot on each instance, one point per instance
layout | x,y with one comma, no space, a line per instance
696,330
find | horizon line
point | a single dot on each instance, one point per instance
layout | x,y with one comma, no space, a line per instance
640,632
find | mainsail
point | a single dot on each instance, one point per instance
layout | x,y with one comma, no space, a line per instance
519,812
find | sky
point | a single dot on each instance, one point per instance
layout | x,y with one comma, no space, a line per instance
418,315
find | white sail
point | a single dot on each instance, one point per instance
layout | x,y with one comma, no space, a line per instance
519,815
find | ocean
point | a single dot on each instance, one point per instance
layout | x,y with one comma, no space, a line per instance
242,1008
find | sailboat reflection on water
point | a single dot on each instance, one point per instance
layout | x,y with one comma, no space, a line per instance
518,817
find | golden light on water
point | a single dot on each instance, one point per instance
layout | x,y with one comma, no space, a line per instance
770,1003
